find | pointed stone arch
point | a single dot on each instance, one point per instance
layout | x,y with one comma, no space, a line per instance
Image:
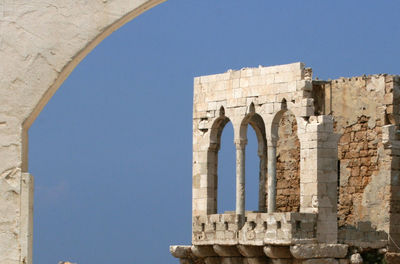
212,158
53,43
288,164
284,162
256,122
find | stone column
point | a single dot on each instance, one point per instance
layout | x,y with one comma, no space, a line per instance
271,176
262,179
240,178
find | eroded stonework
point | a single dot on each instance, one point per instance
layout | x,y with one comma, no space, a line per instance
329,168
288,165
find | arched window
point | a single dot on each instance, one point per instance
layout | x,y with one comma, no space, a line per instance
255,169
226,171
287,163
252,171
221,165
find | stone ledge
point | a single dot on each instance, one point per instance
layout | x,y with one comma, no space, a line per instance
274,252
180,251
244,254
260,229
308,251
317,261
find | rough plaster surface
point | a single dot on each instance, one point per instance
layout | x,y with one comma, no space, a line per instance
41,42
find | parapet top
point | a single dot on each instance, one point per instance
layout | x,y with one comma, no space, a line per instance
296,68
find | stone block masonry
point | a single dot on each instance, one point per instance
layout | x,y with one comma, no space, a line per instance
329,155
288,165
258,229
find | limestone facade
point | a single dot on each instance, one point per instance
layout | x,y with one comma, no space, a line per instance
329,167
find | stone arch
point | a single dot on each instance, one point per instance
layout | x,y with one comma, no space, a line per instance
54,71
273,123
256,122
217,128
53,40
284,134
212,157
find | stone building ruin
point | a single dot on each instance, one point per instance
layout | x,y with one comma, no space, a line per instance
329,153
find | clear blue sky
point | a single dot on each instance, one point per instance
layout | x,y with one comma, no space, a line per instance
111,152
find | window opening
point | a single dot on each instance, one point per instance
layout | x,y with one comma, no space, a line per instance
226,167
252,171
287,165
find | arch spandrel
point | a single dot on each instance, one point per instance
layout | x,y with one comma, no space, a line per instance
52,40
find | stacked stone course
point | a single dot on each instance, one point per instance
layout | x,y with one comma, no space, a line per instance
358,156
329,155
288,165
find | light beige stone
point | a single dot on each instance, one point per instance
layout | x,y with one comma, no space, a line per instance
368,151
356,259
27,85
203,251
180,251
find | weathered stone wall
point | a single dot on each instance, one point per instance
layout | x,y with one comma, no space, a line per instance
288,165
359,106
236,92
362,189
368,192
259,229
339,161
263,97
391,142
394,230
393,114
359,163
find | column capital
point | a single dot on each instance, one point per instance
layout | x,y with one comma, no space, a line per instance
214,147
272,142
240,143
